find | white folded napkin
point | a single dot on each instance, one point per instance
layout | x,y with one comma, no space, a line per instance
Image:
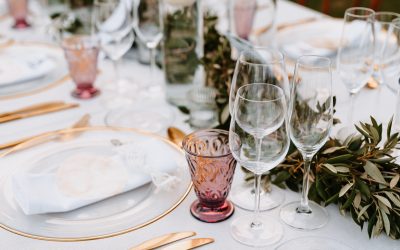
87,177
17,67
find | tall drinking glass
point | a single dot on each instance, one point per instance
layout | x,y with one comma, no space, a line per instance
259,141
113,23
149,30
311,116
259,65
355,59
391,67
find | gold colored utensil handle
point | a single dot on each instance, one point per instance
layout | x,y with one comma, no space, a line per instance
33,108
163,240
189,244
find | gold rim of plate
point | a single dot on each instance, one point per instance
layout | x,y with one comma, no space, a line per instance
40,89
103,236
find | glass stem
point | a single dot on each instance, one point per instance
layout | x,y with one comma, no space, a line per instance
116,75
304,207
397,114
152,64
350,117
256,224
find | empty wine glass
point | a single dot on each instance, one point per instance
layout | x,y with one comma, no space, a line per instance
113,22
356,52
391,67
258,65
311,115
259,141
149,30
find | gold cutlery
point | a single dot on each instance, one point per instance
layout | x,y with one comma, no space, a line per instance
82,122
32,108
175,135
189,244
163,240
36,112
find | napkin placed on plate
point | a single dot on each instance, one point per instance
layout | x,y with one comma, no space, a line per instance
83,178
17,67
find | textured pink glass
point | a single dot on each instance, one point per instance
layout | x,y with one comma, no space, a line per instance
19,10
81,53
211,167
244,12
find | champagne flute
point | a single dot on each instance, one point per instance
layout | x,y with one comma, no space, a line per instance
260,65
113,23
149,30
259,141
356,52
311,115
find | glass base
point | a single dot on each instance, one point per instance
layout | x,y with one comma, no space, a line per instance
152,119
268,233
313,242
317,218
21,24
85,93
212,215
243,196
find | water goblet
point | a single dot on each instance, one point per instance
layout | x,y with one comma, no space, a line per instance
81,53
259,141
311,116
19,11
212,167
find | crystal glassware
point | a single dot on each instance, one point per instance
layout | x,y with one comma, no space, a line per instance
355,58
391,67
81,53
259,65
259,141
311,107
19,11
212,167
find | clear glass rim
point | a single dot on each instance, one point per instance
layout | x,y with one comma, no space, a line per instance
278,57
351,12
89,42
301,61
386,13
280,91
396,23
200,133
105,2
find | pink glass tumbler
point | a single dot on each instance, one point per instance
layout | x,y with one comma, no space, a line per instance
211,167
19,11
81,53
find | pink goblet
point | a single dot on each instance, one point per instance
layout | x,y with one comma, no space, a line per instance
19,10
81,53
211,166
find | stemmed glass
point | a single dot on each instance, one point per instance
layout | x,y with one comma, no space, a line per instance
113,22
149,30
391,66
258,65
259,141
311,115
355,59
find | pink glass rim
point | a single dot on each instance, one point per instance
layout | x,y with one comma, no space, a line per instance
79,42
203,133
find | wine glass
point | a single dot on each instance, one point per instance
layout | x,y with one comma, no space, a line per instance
391,66
113,22
259,141
148,29
258,65
356,52
311,115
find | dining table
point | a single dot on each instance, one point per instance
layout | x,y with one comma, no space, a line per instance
379,102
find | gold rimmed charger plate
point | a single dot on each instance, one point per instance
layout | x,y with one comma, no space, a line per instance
74,134
52,81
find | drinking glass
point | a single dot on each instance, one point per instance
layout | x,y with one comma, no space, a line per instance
259,65
81,53
211,167
391,67
311,114
259,141
149,30
386,48
113,22
19,11
356,52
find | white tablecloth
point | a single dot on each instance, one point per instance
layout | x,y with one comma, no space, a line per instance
380,103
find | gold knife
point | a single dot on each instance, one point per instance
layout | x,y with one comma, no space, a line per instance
189,244
32,108
38,112
163,240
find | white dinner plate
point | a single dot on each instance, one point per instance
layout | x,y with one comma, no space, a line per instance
106,218
48,62
320,37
